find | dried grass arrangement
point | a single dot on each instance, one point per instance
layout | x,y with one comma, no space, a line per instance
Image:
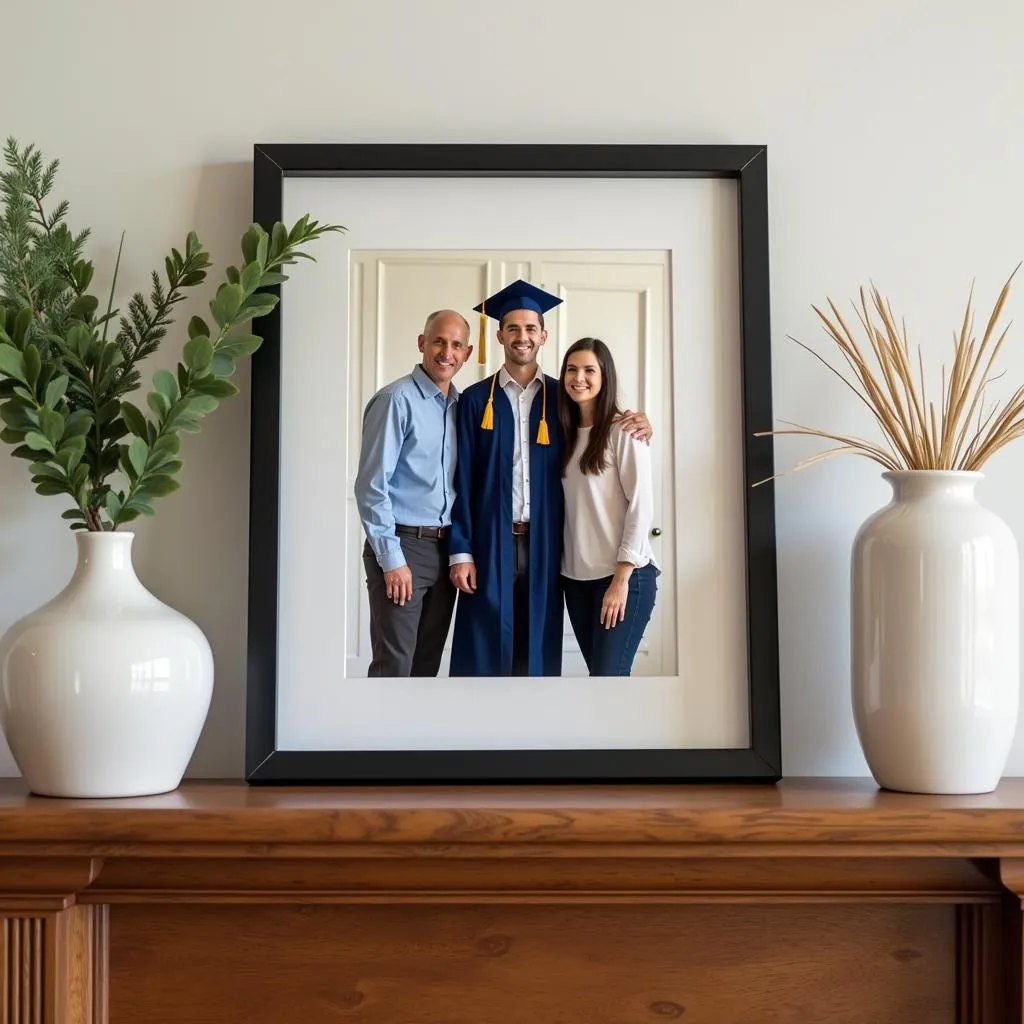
962,433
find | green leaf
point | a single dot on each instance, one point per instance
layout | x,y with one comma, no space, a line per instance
17,414
239,345
137,452
134,419
271,278
189,424
251,274
166,443
197,328
73,513
33,364
159,403
222,365
215,387
278,239
82,272
50,488
112,504
108,411
138,503
24,452
259,304
166,385
167,465
70,453
43,469
198,353
36,441
20,326
226,303
78,423
79,340
56,390
250,243
158,485
84,307
12,363
201,405
24,394
52,424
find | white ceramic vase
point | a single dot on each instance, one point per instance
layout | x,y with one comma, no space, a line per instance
935,637
104,690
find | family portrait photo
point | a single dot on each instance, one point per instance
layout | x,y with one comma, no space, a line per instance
509,523
473,531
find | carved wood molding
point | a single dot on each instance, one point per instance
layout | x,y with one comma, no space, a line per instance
468,857
53,966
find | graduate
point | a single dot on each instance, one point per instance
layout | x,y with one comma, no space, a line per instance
505,547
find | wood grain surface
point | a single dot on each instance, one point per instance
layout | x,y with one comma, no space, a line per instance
813,900
799,811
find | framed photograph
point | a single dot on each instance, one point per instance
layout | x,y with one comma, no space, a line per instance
661,251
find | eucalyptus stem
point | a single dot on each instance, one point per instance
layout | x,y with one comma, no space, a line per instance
65,389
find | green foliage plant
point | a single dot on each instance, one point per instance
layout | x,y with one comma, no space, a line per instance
64,385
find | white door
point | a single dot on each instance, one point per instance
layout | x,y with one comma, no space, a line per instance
620,297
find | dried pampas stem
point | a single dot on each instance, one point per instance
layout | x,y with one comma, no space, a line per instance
918,434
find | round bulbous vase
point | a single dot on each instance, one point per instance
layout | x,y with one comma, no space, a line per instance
104,690
935,640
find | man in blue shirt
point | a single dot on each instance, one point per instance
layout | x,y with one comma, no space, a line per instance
404,490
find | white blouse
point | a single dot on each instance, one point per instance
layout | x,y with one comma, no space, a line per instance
608,517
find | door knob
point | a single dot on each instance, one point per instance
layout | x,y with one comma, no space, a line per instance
656,532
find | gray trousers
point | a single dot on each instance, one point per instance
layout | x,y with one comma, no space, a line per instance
408,640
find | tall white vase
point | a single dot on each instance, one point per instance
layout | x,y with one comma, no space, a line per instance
935,637
104,690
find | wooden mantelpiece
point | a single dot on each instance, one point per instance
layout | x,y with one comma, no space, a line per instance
812,901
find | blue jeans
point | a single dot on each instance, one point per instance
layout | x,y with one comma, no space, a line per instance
610,652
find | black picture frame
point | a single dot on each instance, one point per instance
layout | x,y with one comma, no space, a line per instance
761,761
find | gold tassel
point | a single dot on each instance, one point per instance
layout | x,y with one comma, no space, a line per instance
481,355
542,427
487,423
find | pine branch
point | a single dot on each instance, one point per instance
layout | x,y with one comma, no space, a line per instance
145,326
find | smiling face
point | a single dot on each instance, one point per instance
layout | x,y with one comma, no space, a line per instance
445,347
582,377
522,336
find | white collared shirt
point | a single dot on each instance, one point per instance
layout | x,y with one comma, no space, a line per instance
521,399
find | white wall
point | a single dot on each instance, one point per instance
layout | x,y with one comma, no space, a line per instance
895,150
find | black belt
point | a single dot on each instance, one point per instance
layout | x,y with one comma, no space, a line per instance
426,532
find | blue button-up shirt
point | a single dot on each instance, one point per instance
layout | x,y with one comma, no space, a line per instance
406,462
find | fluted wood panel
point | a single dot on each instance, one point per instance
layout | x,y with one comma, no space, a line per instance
22,988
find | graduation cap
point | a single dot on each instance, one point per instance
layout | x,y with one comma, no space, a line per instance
519,294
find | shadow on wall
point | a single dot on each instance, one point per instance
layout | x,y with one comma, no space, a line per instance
194,553
814,641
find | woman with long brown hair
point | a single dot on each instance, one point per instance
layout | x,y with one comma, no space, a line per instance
609,574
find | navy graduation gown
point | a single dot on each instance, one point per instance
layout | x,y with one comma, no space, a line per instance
482,527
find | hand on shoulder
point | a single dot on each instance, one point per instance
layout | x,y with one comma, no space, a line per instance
635,424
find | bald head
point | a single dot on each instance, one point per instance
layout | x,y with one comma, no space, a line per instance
444,314
445,345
